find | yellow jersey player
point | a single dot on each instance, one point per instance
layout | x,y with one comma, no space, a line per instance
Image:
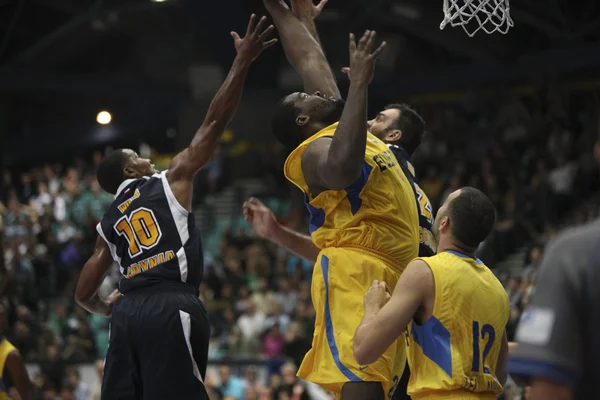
12,365
455,309
363,223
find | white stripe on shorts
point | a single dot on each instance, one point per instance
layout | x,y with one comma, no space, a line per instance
186,324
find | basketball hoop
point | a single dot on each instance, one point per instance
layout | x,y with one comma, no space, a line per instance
475,15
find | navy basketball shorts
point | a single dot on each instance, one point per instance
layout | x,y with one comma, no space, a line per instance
158,345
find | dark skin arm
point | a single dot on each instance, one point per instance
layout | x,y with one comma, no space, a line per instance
306,11
303,51
19,375
220,112
92,275
333,164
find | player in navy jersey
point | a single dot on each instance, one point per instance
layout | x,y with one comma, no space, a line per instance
159,329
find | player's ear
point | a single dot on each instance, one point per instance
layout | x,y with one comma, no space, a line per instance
445,224
393,136
130,173
302,120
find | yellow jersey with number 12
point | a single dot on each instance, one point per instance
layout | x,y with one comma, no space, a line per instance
6,348
454,354
376,213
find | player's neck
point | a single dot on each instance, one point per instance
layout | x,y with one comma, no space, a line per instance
447,245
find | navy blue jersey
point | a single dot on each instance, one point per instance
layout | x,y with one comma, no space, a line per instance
151,236
428,244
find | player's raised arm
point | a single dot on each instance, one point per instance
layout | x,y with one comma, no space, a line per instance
303,51
264,223
336,163
221,110
306,11
384,321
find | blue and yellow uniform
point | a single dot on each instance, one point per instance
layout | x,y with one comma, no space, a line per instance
454,354
368,231
6,348
428,243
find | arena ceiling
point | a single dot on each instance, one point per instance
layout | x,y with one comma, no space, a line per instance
63,60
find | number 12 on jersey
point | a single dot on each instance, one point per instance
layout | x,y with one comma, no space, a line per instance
488,333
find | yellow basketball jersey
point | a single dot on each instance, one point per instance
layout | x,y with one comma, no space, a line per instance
6,348
377,212
454,354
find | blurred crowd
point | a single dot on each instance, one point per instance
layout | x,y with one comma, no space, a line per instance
530,154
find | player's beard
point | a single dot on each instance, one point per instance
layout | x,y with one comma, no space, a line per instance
331,111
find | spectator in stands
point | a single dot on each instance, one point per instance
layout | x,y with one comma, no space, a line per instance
291,385
53,367
286,296
273,342
231,386
296,342
264,299
252,322
80,390
96,389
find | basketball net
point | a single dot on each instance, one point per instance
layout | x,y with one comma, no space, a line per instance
475,15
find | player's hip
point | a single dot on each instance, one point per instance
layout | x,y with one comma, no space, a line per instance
161,300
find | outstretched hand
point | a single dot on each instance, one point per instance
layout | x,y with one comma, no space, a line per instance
260,218
255,41
362,57
306,9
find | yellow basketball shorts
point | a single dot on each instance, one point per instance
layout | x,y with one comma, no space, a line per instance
341,278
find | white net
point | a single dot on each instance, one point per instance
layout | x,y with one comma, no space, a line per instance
474,15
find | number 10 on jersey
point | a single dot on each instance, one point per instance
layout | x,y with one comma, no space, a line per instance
140,229
486,333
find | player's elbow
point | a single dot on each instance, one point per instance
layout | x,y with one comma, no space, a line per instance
82,293
362,356
361,353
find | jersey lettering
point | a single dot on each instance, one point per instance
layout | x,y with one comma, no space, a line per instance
149,263
425,204
140,229
385,160
125,205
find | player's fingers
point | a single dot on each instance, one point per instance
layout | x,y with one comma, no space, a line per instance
370,41
375,283
260,24
250,27
265,34
346,70
319,7
377,52
235,36
269,43
352,44
254,200
363,39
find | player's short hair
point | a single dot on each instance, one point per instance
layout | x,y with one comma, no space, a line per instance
110,171
472,217
283,124
411,124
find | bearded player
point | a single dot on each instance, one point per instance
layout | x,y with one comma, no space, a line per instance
364,222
